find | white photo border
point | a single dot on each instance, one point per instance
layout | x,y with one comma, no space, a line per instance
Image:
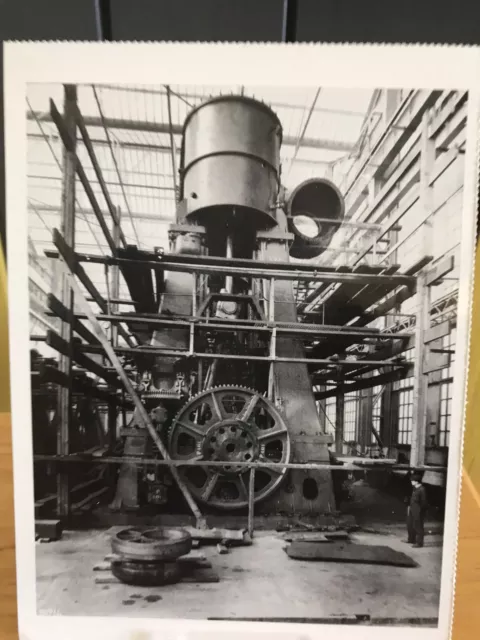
342,66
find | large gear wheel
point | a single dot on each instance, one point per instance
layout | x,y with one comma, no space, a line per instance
229,424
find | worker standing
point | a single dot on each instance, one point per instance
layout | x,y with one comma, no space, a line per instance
417,509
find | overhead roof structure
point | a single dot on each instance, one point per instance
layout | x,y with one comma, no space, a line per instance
131,128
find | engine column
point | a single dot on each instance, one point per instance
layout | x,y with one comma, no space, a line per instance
304,491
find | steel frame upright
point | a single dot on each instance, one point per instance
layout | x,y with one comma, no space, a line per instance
67,298
115,293
420,380
339,421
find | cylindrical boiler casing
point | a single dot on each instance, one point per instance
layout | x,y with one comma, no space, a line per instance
231,158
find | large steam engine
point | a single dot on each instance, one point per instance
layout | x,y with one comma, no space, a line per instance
232,405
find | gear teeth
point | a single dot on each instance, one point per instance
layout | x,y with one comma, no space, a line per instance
219,387
225,388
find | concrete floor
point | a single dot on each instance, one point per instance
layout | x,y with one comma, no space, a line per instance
255,581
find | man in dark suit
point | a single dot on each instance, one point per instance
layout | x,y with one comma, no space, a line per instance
417,509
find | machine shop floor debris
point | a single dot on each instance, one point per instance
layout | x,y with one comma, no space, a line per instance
255,581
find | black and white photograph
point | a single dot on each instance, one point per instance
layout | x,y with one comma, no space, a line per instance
247,329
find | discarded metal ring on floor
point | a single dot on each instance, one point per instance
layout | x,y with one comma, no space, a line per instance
154,544
147,574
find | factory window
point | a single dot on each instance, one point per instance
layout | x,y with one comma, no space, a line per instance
404,391
36,327
448,343
405,415
410,355
446,393
38,267
376,411
330,414
37,293
445,414
350,418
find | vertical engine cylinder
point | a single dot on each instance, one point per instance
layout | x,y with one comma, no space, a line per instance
231,160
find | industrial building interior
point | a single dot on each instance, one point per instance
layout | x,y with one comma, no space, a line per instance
243,311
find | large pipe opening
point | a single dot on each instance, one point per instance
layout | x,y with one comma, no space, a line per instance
310,208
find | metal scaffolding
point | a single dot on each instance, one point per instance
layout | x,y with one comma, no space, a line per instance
377,290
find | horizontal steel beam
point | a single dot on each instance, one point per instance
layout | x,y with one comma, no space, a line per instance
179,353
407,292
248,465
185,259
186,96
254,325
117,301
363,383
219,261
127,185
307,272
164,127
137,215
162,149
139,146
